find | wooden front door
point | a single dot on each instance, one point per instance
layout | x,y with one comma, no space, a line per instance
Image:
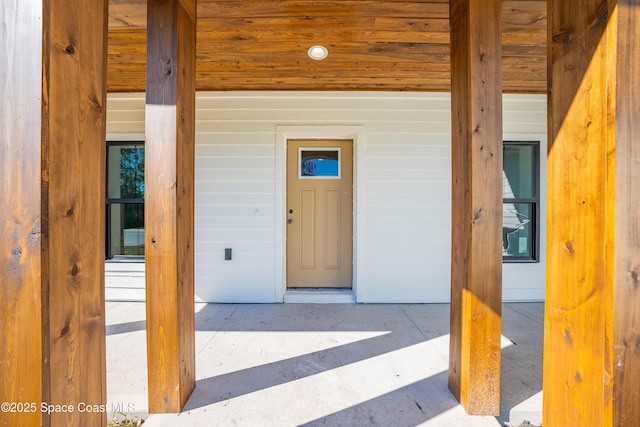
319,213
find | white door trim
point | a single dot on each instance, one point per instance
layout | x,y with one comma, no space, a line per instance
356,133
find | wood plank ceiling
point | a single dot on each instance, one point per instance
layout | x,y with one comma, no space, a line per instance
373,45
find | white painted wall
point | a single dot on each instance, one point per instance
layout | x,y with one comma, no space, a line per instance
403,170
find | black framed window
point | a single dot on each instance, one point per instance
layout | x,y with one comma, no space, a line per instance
125,200
521,200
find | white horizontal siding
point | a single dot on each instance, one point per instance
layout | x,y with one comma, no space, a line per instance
404,241
408,219
124,281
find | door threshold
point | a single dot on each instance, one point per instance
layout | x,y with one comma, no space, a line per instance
319,296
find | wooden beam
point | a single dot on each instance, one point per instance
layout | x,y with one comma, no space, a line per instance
73,175
169,202
52,340
476,270
21,299
575,355
626,284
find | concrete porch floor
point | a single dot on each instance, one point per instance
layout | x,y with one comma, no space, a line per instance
321,365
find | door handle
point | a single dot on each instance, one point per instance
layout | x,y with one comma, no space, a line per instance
289,221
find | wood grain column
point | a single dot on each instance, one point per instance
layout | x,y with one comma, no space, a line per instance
52,108
476,265
626,309
581,207
169,202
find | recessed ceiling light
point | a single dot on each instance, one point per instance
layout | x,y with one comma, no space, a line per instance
317,52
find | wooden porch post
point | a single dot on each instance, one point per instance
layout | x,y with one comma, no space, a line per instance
169,203
476,270
589,365
592,362
52,109
626,309
574,350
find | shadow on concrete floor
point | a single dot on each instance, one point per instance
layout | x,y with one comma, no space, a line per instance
305,364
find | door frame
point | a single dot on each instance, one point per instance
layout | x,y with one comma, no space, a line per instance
356,133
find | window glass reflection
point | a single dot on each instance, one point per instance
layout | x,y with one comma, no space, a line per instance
520,201
125,200
125,175
518,177
319,163
126,229
517,230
